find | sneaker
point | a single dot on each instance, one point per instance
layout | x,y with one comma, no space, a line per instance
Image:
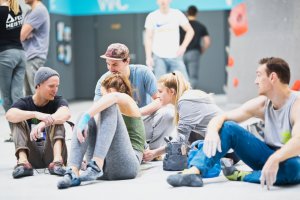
92,172
190,180
230,172
69,180
56,168
22,170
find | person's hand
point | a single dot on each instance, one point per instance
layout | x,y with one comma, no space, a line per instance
201,50
29,36
269,172
148,155
35,131
150,63
212,143
47,118
81,128
180,51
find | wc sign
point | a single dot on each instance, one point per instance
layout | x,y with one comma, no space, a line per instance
105,7
112,5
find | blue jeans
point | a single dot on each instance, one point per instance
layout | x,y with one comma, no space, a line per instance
12,71
191,60
166,65
252,152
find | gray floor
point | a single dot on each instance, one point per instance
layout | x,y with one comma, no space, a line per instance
150,184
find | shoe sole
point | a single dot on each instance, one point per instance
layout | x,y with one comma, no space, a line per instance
65,185
22,173
56,172
190,180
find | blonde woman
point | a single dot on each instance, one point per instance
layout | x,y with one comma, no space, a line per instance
118,140
12,55
193,108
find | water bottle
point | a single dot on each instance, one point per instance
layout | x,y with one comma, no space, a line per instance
42,136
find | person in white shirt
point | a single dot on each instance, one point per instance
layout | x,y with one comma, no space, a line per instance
162,42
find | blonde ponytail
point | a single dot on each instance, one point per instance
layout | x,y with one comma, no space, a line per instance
176,81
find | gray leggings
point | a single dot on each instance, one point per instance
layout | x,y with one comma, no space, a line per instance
158,125
109,141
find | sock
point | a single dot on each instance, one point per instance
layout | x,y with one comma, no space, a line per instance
192,170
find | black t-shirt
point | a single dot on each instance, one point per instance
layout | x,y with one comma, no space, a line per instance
200,31
27,104
10,28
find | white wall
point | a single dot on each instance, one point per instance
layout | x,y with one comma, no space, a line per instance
274,30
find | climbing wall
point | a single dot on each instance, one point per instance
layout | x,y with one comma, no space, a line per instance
265,28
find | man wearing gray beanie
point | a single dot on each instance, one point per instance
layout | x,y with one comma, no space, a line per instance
43,74
38,130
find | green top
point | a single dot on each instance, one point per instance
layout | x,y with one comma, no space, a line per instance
136,131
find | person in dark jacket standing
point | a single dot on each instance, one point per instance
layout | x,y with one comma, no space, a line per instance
199,44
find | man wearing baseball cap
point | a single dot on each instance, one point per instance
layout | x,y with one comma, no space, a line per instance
158,120
38,131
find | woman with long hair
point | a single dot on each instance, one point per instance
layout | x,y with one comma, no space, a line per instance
118,140
12,55
193,108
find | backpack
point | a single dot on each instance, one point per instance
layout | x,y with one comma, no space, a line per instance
176,156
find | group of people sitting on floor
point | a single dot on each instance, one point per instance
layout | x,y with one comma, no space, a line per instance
132,108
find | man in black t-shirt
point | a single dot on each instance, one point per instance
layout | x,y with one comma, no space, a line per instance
38,131
198,45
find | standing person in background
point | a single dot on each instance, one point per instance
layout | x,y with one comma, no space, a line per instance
199,44
35,39
162,39
12,56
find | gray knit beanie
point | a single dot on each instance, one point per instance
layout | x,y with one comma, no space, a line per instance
43,74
